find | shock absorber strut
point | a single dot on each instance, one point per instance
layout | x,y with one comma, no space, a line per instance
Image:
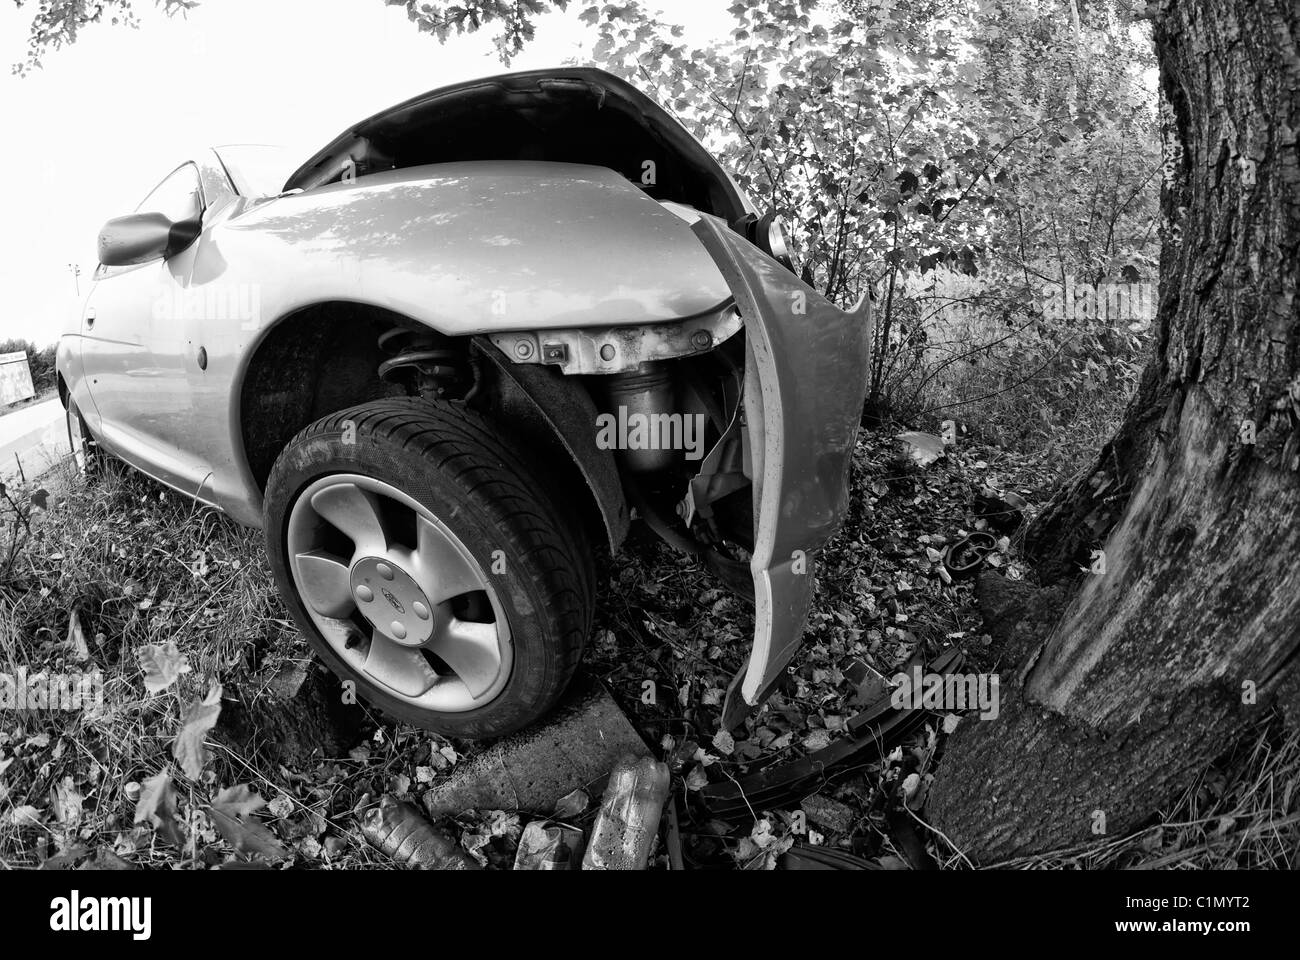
643,394
425,363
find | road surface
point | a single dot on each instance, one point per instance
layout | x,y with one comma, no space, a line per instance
35,437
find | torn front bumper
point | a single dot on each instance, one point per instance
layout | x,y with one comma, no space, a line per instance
806,368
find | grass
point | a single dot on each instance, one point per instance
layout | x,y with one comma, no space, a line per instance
1055,398
134,564
137,565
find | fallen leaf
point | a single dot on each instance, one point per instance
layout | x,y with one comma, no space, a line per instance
232,813
162,665
199,717
66,801
762,840
914,791
281,806
25,816
817,740
157,806
697,779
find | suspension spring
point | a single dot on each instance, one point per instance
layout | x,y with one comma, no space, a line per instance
426,364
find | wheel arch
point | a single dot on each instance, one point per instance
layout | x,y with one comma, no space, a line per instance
313,360
323,357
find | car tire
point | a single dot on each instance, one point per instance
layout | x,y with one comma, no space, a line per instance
429,500
86,456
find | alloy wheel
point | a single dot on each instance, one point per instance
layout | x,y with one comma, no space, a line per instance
397,594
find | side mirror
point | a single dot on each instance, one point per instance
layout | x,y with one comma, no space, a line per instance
141,237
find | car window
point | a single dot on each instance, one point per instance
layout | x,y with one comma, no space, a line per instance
178,197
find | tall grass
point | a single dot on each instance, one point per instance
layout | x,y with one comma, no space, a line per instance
133,564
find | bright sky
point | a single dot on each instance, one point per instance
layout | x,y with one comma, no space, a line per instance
107,118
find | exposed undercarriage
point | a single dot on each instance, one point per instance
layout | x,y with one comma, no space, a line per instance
673,428
680,383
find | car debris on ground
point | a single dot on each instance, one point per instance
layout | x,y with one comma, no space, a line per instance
534,775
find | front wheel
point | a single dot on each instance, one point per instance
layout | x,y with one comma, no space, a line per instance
428,566
84,453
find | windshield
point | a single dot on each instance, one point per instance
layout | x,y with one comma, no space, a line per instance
258,169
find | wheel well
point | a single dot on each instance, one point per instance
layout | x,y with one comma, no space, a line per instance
313,362
326,357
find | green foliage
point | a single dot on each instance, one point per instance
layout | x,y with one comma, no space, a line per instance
57,23
514,18
1001,139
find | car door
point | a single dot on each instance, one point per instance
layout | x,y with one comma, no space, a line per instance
136,350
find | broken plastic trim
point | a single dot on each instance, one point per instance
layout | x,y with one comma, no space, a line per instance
607,350
806,367
874,730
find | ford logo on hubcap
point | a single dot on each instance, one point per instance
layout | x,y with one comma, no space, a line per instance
397,604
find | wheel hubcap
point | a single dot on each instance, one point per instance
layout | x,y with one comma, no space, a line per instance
390,599
397,594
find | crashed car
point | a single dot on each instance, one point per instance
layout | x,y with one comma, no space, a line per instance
447,360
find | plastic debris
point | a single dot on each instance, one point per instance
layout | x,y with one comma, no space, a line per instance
629,815
673,838
399,829
572,805
804,857
546,845
921,448
1003,512
963,558
871,732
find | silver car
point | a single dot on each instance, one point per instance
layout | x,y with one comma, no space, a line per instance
445,362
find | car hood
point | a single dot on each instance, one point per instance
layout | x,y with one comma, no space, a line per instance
570,114
484,246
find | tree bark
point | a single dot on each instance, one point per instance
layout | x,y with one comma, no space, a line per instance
1190,634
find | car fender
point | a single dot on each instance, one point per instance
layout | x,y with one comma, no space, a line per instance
558,406
474,247
463,248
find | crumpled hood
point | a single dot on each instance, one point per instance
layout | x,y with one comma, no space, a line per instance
492,246
570,114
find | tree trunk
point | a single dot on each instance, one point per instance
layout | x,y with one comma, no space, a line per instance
1158,663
